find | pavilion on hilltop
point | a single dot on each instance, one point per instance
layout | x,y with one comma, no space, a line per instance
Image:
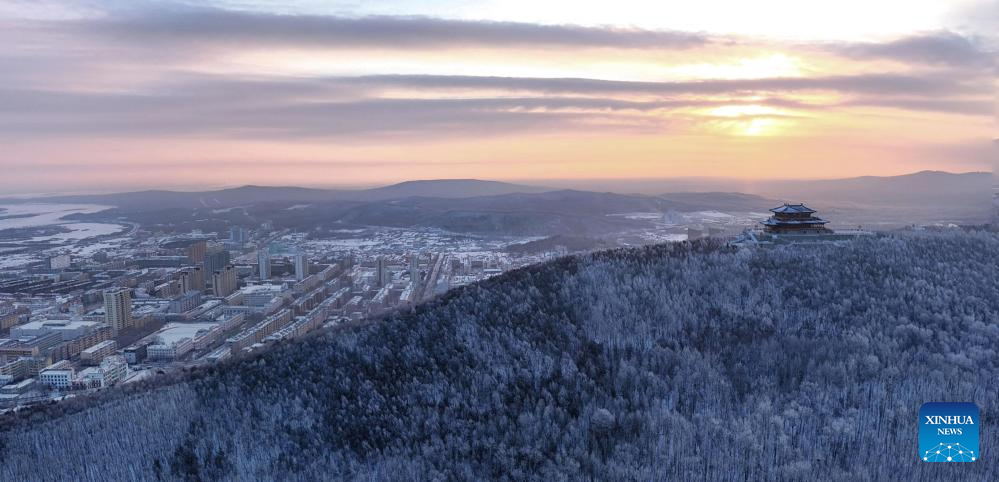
795,219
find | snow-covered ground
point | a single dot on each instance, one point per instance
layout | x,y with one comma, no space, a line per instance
37,215
80,231
41,214
15,260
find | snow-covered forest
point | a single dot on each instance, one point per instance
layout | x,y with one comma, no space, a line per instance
673,362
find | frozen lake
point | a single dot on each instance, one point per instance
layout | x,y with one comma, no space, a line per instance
34,215
73,241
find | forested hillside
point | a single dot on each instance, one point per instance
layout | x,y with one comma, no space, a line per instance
673,362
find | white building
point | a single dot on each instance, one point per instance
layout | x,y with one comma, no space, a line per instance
205,338
95,354
115,368
58,375
219,354
170,351
260,295
69,329
111,371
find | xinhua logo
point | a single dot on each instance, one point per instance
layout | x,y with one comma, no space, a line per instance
948,432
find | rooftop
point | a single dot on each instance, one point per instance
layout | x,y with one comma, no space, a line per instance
59,365
57,324
90,371
98,346
175,332
253,289
793,209
21,384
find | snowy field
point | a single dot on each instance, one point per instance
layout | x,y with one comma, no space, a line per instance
39,214
74,241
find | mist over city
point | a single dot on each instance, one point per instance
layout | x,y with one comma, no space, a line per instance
482,240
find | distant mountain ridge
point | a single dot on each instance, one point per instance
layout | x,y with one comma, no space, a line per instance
448,188
908,189
493,207
160,199
568,212
919,187
762,187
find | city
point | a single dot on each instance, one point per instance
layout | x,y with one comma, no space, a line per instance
471,240
96,295
72,324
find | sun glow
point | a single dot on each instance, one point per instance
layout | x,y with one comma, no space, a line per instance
759,126
775,65
301,92
751,120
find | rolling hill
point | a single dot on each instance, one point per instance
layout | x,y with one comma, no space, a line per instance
673,362
445,188
921,188
488,207
247,195
905,190
563,212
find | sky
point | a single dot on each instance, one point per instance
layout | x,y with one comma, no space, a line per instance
128,94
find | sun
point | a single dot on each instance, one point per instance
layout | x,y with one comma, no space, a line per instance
749,120
758,127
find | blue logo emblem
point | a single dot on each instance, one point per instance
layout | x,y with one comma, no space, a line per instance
948,432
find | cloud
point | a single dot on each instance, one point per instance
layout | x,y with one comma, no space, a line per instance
350,108
177,38
973,107
283,115
941,48
213,27
130,74
179,30
981,17
896,84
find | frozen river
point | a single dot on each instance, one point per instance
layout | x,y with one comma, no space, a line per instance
37,215
40,214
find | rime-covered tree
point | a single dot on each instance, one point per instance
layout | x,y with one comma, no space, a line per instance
679,362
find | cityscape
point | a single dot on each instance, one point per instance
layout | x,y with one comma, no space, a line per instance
117,309
93,296
119,299
470,240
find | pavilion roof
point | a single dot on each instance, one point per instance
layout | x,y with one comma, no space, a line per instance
793,209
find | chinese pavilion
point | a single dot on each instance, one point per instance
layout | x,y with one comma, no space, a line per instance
795,219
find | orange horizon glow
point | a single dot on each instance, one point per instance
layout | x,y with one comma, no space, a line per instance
87,110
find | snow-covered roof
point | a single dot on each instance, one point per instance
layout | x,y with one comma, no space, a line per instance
793,209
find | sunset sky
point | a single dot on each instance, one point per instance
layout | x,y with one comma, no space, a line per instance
126,94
